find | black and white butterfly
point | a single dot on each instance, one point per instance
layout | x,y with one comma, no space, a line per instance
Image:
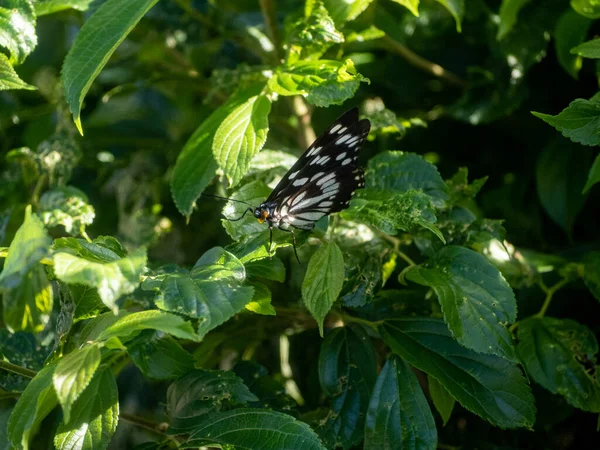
321,182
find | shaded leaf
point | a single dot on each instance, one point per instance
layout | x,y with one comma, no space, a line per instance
442,400
261,300
457,9
96,42
487,385
411,5
560,354
398,415
509,11
347,373
593,175
95,416
66,206
323,281
268,268
159,357
73,374
43,7
571,30
9,78
241,136
589,49
347,10
591,273
587,8
254,193
476,300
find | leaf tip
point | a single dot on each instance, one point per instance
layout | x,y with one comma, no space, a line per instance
77,121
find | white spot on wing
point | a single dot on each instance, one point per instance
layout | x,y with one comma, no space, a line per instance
326,179
334,186
299,198
341,130
343,139
340,156
314,151
318,175
323,160
346,161
311,216
293,174
326,203
335,128
300,181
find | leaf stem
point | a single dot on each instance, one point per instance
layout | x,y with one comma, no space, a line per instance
35,197
421,63
550,291
348,318
306,133
396,243
23,371
150,425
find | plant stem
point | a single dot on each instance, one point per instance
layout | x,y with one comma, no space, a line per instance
396,243
35,197
421,63
550,291
23,371
348,318
306,133
155,427
268,11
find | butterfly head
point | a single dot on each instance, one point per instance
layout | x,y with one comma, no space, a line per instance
262,213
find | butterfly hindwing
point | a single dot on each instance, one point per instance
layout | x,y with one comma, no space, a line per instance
324,178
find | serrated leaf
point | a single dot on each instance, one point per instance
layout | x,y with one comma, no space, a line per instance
395,171
403,211
268,268
66,206
589,49
27,307
509,11
593,175
126,327
196,166
587,8
95,326
30,244
87,302
73,374
398,415
200,392
261,301
253,429
487,385
347,373
241,136
43,7
17,22
254,193
35,403
363,275
476,300
580,121
323,281
346,10
111,275
268,389
560,354
591,273
561,171
22,349
411,5
457,9
459,188
159,357
442,400
211,291
322,82
96,42
95,416
571,30
9,78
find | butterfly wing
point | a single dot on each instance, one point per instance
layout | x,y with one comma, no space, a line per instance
324,178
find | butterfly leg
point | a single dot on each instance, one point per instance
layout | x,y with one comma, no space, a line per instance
293,243
270,240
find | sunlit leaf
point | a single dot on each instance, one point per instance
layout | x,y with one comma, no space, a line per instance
17,29
9,78
347,10
587,8
411,5
128,326
261,300
66,206
43,7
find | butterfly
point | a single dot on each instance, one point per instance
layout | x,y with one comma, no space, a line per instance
321,182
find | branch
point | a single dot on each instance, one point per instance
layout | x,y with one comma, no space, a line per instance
268,11
23,371
422,63
306,133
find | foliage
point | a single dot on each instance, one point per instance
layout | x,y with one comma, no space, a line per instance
454,304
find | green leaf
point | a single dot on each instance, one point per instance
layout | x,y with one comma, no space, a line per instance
111,275
593,176
459,188
253,429
560,354
17,29
347,373
196,166
159,357
571,30
322,82
241,136
87,302
587,8
589,49
27,307
457,9
30,244
211,291
73,374
268,268
200,392
487,385
43,7
254,193
442,400
363,276
323,281
346,10
411,5
580,121
127,326
398,415
66,206
509,11
261,300
561,171
403,211
95,416
9,78
98,324
34,404
591,273
96,42
395,171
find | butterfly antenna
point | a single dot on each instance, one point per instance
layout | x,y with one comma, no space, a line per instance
225,198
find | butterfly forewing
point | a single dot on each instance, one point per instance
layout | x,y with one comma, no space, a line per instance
323,179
